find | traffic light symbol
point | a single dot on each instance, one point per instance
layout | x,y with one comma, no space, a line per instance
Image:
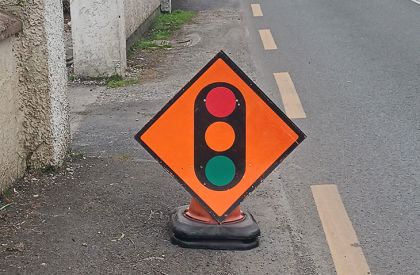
219,136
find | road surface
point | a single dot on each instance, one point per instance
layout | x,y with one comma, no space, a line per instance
355,66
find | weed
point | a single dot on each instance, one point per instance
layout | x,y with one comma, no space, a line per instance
144,44
117,81
114,81
162,29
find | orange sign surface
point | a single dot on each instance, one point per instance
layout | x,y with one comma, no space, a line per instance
220,136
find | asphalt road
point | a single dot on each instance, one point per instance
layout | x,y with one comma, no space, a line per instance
356,68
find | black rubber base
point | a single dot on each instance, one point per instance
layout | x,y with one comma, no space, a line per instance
189,233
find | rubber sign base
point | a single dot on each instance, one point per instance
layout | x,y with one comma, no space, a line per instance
189,233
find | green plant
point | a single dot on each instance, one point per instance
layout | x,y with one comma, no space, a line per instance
162,29
117,81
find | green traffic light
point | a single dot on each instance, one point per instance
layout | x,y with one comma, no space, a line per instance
220,170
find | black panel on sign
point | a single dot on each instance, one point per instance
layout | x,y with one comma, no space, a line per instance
203,153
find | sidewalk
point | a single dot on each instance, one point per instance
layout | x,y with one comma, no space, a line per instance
107,210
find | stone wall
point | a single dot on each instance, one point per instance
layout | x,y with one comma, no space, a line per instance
40,94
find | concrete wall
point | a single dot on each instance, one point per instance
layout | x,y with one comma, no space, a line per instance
57,81
12,159
43,124
100,30
136,12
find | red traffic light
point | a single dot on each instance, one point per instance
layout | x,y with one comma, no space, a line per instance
220,102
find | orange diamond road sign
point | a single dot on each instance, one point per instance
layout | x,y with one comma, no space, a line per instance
220,136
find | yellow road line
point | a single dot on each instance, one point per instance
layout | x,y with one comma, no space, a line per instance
256,10
292,105
267,40
342,239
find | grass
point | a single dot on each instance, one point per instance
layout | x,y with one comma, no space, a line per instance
162,29
117,81
114,81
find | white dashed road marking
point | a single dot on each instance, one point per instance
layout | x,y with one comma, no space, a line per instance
267,40
256,10
291,101
344,246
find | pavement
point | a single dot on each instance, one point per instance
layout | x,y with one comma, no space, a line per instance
355,68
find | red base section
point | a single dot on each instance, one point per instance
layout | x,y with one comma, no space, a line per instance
196,212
